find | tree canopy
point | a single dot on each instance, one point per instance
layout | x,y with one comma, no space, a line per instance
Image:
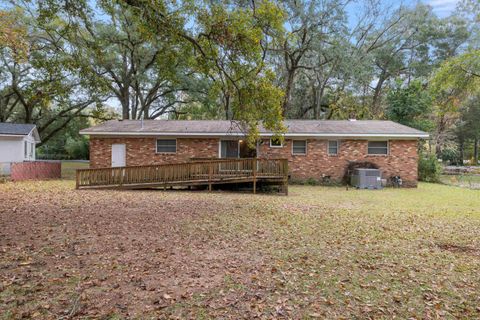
246,60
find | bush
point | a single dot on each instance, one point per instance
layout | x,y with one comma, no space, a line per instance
429,169
311,182
450,155
77,148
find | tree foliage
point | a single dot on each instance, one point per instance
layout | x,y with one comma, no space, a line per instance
410,105
253,61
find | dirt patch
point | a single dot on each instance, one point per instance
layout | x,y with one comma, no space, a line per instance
73,253
459,249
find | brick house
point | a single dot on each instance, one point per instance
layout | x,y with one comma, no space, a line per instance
314,148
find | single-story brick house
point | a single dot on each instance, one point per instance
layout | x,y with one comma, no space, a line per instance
314,148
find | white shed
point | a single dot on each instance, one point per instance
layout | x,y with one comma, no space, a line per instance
17,144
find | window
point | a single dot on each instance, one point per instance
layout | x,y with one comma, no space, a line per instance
299,147
166,145
229,149
25,147
276,143
32,146
377,147
332,147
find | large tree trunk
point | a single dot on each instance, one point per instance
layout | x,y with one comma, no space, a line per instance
461,153
377,95
288,91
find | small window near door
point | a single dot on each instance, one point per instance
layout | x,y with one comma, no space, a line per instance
377,147
299,147
276,143
25,148
166,145
333,147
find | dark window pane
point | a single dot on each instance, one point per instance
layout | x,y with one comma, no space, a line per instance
275,143
378,147
229,149
299,147
333,147
166,145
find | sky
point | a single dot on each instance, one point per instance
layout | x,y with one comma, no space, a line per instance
442,8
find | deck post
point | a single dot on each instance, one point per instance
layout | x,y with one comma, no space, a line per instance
210,172
121,177
77,179
254,171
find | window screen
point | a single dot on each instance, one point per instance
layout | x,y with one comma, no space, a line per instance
333,147
299,147
377,147
166,145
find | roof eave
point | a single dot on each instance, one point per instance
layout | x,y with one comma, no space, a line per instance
240,134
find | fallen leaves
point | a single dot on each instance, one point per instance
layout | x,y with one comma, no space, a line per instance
319,253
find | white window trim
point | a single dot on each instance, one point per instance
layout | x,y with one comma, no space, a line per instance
280,146
300,154
328,148
381,154
156,146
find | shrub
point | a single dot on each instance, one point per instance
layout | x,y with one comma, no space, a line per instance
429,169
450,155
311,182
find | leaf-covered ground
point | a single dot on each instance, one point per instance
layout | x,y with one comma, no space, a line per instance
318,253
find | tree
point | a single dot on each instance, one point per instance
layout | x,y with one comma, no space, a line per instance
455,81
45,87
148,76
468,127
410,105
229,45
311,26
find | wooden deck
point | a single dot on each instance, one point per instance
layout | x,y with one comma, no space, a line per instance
194,173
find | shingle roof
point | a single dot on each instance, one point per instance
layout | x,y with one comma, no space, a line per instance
225,127
16,128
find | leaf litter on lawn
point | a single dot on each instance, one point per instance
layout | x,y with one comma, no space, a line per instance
318,253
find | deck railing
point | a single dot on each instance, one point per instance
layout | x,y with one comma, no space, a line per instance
194,172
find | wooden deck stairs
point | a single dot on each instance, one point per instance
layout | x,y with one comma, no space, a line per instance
193,173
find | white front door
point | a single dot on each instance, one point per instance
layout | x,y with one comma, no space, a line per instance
119,155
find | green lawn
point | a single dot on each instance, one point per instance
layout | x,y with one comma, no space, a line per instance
321,252
69,167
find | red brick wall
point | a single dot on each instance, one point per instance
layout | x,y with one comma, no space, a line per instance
401,160
35,170
142,151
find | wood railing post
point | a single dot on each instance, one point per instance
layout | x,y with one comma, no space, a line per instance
121,176
210,173
285,176
254,171
77,179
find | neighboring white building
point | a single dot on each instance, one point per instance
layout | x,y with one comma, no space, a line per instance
17,144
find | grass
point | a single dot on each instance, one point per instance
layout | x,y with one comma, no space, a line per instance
321,252
471,181
69,167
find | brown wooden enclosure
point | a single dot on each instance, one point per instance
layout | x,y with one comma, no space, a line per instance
202,172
